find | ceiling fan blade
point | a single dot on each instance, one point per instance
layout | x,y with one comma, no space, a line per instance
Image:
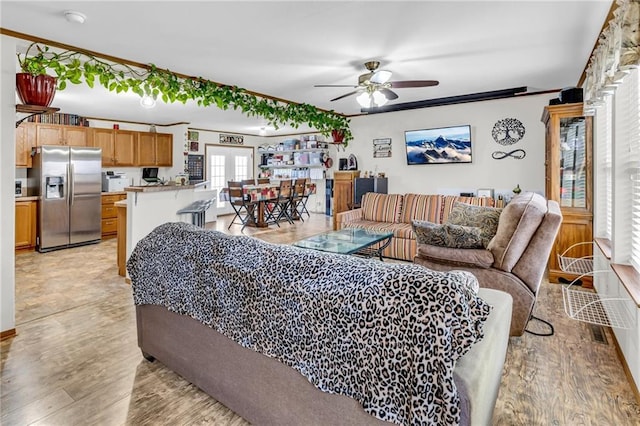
389,94
345,95
413,83
334,85
380,77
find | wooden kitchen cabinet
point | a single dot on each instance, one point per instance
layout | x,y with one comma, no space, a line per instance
110,214
55,134
154,149
164,149
25,141
26,225
569,177
342,191
118,146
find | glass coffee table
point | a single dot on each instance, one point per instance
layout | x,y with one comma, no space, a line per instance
361,242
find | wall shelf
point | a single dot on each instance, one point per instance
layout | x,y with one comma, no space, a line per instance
33,110
587,305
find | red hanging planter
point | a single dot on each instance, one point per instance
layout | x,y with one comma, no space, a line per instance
36,89
337,135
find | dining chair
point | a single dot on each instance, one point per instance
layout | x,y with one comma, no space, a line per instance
262,181
297,198
302,206
248,181
244,209
277,208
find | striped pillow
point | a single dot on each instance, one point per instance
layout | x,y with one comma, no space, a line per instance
421,207
381,207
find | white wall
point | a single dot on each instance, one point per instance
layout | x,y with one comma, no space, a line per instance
7,173
483,172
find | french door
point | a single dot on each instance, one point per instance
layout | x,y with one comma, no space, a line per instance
225,163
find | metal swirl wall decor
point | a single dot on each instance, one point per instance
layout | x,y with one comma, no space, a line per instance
508,131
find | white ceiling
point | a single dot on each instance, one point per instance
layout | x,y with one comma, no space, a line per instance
283,48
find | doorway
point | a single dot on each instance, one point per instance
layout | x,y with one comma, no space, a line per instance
225,163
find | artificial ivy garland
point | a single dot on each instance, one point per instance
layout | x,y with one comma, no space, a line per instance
76,66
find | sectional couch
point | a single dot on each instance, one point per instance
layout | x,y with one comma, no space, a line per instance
395,212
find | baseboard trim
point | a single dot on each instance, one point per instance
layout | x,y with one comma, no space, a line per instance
8,334
625,367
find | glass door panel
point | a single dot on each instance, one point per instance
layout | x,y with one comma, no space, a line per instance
573,162
225,164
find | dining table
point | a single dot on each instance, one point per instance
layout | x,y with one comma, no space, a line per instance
262,194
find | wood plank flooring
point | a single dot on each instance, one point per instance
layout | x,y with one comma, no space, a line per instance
75,359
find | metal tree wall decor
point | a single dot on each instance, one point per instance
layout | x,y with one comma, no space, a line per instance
507,132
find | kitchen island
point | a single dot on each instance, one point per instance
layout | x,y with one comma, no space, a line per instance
152,205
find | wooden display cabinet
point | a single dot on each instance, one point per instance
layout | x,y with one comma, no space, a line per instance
569,180
343,191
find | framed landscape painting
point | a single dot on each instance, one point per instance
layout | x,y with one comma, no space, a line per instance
441,145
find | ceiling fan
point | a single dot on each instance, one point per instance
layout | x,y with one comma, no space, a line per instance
375,88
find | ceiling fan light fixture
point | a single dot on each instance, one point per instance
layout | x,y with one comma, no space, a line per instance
379,98
381,77
147,102
364,100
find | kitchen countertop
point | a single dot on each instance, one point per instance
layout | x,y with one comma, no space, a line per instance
158,188
30,198
114,193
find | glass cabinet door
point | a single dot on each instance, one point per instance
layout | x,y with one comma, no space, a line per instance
573,162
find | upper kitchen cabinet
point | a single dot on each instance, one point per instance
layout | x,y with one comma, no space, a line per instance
155,149
54,134
118,146
25,140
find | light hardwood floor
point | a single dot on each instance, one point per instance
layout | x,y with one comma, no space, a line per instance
75,359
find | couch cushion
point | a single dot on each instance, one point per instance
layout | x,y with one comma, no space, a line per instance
449,200
381,207
518,222
400,230
447,235
479,258
485,218
421,207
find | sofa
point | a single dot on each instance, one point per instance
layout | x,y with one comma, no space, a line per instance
515,259
395,213
286,336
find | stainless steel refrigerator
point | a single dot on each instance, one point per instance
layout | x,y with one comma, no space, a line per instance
69,182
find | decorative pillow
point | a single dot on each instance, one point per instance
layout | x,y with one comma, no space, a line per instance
447,235
485,218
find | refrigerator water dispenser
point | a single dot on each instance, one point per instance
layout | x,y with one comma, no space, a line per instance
55,187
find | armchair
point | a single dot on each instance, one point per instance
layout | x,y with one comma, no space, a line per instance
514,261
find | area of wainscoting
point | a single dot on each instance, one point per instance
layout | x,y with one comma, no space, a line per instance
75,358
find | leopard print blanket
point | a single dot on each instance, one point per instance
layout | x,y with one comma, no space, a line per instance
387,335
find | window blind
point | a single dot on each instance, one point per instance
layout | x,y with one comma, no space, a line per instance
604,188
627,133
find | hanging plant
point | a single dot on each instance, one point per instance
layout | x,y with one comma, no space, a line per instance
79,66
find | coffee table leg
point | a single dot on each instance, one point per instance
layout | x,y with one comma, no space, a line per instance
384,245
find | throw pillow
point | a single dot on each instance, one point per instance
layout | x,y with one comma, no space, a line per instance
447,235
485,218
